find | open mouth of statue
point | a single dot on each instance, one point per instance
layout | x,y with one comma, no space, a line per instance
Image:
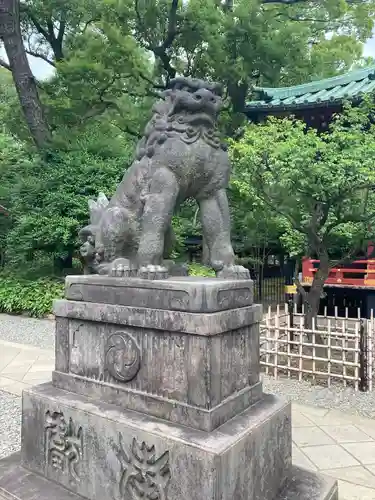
202,118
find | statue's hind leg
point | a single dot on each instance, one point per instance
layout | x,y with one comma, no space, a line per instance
216,231
158,210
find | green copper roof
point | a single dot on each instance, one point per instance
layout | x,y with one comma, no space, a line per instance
319,93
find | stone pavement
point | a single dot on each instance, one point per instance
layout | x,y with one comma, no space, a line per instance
337,444
22,366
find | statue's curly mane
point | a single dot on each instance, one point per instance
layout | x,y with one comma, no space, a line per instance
174,115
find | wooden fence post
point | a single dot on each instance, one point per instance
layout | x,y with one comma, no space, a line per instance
363,368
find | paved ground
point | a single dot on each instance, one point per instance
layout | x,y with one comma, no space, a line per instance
341,445
23,365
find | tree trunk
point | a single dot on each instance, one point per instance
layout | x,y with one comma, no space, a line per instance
313,297
312,302
10,34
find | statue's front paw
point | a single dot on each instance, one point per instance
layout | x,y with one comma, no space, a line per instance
233,272
121,268
151,272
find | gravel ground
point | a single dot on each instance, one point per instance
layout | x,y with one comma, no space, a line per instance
336,398
10,423
24,330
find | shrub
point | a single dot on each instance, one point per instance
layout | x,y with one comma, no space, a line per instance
200,270
34,298
49,204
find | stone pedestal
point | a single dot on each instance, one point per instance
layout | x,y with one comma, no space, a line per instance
156,395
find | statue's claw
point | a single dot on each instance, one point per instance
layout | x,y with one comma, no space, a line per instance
233,272
121,268
151,272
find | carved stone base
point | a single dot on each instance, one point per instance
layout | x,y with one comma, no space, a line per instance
156,395
18,483
191,294
100,452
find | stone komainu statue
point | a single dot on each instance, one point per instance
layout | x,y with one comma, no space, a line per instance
180,156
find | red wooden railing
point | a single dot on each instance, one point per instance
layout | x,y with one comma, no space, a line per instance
360,273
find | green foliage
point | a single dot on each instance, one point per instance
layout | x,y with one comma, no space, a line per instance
316,185
199,270
12,119
32,297
47,198
14,159
319,188
245,42
112,55
255,227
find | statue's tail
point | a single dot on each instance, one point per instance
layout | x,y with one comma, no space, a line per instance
97,208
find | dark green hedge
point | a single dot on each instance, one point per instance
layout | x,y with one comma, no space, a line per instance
35,297
18,296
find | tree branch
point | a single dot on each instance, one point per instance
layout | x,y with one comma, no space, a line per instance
51,30
172,32
41,56
345,220
61,32
151,82
141,23
4,210
37,25
5,65
166,61
275,207
90,21
172,25
350,255
100,108
302,19
127,130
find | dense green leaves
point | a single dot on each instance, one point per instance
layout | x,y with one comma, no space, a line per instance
319,188
318,185
112,55
47,199
26,296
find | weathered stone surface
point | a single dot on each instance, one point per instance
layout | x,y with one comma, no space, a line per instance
202,426
247,458
195,380
18,483
62,349
180,156
175,294
173,411
302,484
170,321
